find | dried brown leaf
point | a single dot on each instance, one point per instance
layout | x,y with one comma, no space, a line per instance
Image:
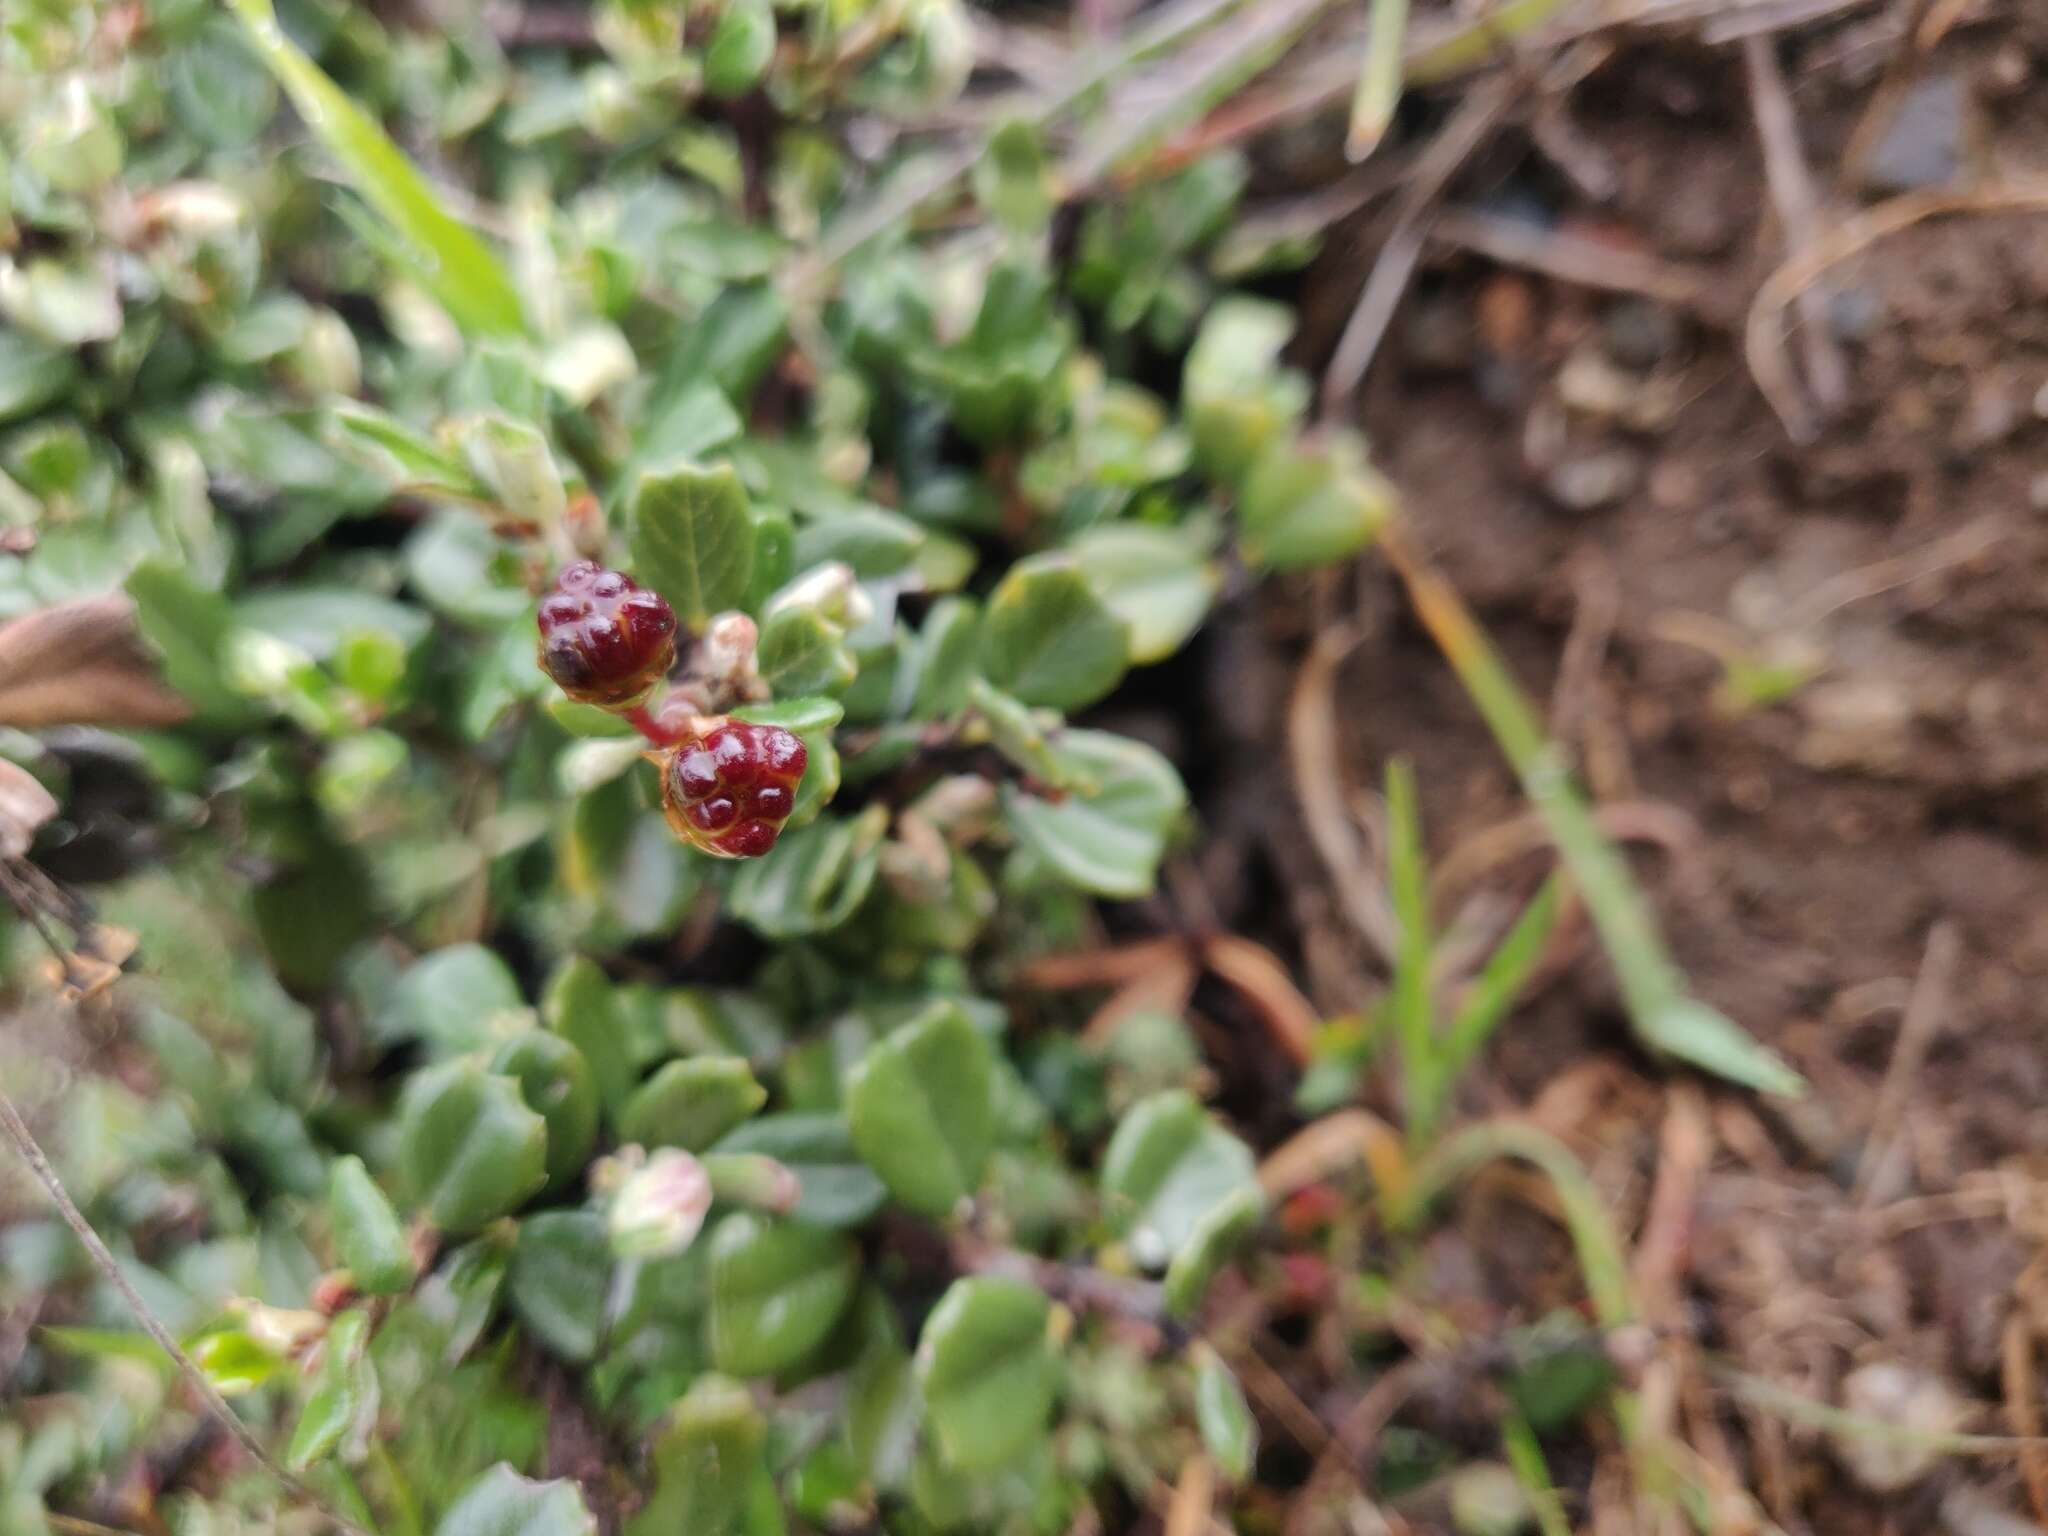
24,806
81,663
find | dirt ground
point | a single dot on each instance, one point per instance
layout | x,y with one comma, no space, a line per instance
1857,870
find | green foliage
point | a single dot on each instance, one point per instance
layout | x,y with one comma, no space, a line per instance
921,1108
366,1231
987,1371
728,1168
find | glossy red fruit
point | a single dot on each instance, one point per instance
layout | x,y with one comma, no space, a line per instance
730,790
604,638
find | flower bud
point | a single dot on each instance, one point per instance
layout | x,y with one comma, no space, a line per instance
660,1209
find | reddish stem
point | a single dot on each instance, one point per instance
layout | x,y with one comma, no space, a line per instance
662,733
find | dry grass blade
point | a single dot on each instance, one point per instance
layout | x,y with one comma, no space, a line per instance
1926,1011
1470,126
1194,1497
24,806
81,663
1264,983
1101,967
1329,1146
1798,211
1576,260
1811,1413
1316,758
1764,335
2023,1410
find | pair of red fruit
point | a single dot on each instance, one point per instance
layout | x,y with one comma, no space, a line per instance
607,640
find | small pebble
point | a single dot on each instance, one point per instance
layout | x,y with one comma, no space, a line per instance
1437,336
1595,480
1902,1397
1923,144
1991,416
1854,313
2010,71
1639,334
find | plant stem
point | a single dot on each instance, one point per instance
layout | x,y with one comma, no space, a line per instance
25,1143
658,731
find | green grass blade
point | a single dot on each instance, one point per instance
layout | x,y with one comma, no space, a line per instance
1408,1003
459,268
1379,82
1585,1217
1499,983
1525,1457
1664,1017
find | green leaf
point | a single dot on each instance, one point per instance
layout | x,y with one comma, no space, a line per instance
1235,396
512,458
1209,1247
1169,1168
1154,579
1012,181
456,265
1049,639
693,539
835,1188
560,1279
32,374
1108,835
803,652
776,1291
706,1460
692,1102
921,1107
343,1402
812,880
949,652
1224,1417
462,998
580,1006
367,1232
556,1083
502,1503
469,1148
988,1371
234,1361
406,456
741,45
188,627
1308,505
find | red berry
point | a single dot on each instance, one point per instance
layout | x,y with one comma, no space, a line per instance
604,638
730,790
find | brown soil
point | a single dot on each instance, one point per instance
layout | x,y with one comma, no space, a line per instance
1803,853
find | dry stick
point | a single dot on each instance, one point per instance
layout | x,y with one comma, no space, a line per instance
1318,778
2023,1410
1926,1011
1798,212
1576,260
1764,338
1899,72
25,1143
1473,123
1973,539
